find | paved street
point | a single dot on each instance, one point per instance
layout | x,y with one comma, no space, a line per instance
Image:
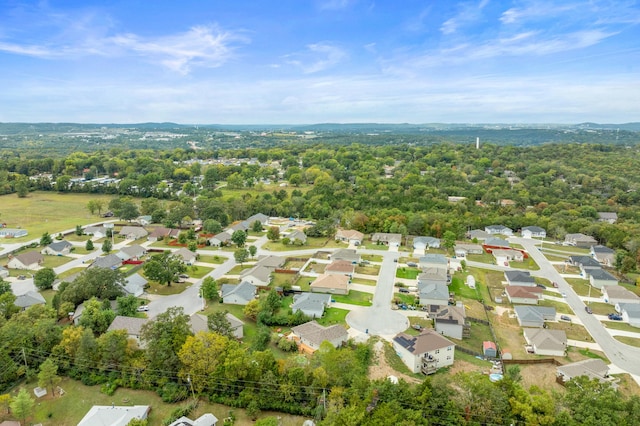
623,356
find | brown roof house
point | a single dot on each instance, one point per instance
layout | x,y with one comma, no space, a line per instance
31,261
523,295
133,327
161,232
426,352
133,232
451,321
350,236
188,257
329,283
340,267
310,336
613,294
391,240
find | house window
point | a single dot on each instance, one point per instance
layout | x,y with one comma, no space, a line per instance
437,351
449,348
449,357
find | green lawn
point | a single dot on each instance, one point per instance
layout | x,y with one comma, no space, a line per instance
165,290
354,298
55,261
368,270
372,257
408,299
216,260
631,341
236,270
600,308
574,331
561,308
70,272
484,258
619,325
51,212
583,288
333,316
82,250
479,334
198,271
408,273
459,287
364,281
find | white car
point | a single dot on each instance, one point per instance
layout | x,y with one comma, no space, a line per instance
564,294
143,308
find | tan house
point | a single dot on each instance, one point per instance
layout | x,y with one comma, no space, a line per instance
310,336
31,261
350,236
133,327
330,283
426,352
340,267
545,341
523,294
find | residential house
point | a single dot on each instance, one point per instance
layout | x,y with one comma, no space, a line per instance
478,234
206,419
433,293
240,294
391,240
533,232
630,313
340,267
219,240
613,294
160,232
310,336
349,236
297,237
331,283
58,248
199,322
260,273
188,257
489,349
433,260
132,325
12,233
504,256
545,341
311,304
31,260
133,232
258,217
451,321
604,255
495,243
28,299
534,316
598,278
579,240
583,261
350,255
134,252
505,202
498,230
145,220
523,295
135,284
520,278
609,217
113,415
241,226
110,261
424,243
426,352
433,275
593,368
464,249
98,232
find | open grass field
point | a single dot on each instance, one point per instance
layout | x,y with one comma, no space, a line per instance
51,212
69,409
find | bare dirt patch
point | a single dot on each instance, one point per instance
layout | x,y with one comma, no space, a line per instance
380,369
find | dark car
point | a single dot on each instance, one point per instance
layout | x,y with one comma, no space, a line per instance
588,309
404,290
615,317
412,264
555,284
541,285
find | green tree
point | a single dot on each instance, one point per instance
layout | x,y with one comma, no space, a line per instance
273,233
5,287
44,278
239,237
22,188
241,255
449,240
107,246
79,230
164,268
252,309
253,250
46,239
7,305
92,206
210,289
218,323
96,316
89,245
127,305
102,283
48,375
22,405
212,226
256,226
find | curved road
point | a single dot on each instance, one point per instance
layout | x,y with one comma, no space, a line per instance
623,356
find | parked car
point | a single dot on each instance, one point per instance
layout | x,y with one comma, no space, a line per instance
417,327
412,264
404,290
555,284
563,294
143,308
541,285
614,317
565,318
588,309
22,277
183,276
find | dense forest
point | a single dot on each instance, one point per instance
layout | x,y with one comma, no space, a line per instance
399,182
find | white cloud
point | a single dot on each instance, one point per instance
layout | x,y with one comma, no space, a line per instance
318,57
468,13
334,4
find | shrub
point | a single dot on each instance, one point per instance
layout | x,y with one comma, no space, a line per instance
173,392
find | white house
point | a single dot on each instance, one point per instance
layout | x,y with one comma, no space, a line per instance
188,257
350,236
426,352
521,278
433,294
498,230
604,255
30,260
133,327
599,278
133,232
423,243
546,342
613,294
451,321
311,304
220,239
523,294
331,283
391,240
114,415
533,232
58,248
630,313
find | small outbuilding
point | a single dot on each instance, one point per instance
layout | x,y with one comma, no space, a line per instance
489,349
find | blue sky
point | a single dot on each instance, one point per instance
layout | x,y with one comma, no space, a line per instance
314,61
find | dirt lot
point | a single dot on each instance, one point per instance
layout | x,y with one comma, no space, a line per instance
380,369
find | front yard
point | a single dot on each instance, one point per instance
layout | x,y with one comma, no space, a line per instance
354,298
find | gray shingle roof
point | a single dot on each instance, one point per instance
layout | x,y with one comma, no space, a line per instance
244,290
59,246
427,341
